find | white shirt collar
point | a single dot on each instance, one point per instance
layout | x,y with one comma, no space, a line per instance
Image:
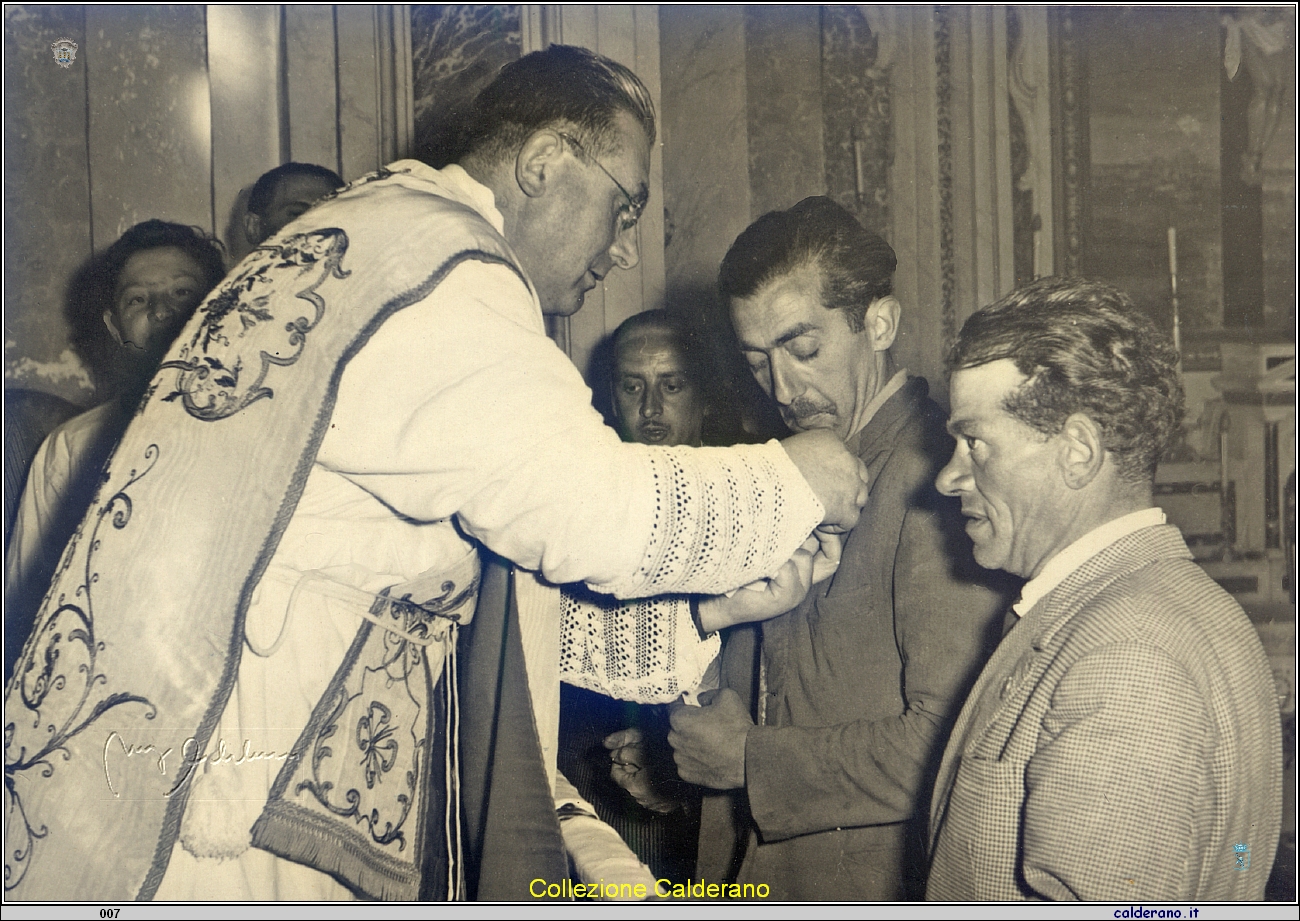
882,396
454,183
1082,550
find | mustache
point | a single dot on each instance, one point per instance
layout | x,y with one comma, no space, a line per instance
803,407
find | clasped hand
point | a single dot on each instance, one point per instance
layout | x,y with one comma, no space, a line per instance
709,741
816,560
708,746
837,478
642,771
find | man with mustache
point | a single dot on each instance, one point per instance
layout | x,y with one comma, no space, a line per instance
832,756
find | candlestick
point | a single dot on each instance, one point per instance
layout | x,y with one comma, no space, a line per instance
1173,288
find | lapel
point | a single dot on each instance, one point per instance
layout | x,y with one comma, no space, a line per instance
978,703
874,444
1010,676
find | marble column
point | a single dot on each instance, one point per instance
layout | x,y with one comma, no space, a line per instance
705,142
787,160
46,196
149,117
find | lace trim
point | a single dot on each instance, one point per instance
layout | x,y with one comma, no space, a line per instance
646,650
723,517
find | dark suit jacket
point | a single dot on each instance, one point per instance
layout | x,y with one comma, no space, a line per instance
1122,741
863,680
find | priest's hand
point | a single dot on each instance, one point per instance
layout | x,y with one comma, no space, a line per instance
838,479
826,547
760,600
709,741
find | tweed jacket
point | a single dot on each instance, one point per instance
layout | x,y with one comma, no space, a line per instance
1122,743
863,682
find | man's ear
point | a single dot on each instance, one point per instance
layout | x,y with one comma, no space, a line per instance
253,228
882,321
536,160
1082,452
111,322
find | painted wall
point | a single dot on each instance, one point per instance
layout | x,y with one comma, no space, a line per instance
456,50
900,114
1154,113
766,105
46,196
171,112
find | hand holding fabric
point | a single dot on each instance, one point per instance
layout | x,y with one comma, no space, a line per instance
709,741
763,599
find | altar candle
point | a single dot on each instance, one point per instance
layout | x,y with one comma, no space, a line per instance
1173,286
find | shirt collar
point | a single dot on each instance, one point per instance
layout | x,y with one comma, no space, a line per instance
454,183
880,399
1082,550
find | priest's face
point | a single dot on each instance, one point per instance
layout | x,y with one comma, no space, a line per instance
584,225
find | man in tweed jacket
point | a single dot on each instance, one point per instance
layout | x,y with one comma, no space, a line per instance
1123,742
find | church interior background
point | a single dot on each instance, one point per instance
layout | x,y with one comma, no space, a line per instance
1153,148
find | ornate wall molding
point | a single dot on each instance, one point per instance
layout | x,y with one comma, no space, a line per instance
858,114
943,99
1070,137
1028,80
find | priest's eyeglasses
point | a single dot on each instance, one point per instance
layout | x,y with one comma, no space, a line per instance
628,214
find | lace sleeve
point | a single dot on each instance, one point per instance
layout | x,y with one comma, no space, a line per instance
647,650
723,517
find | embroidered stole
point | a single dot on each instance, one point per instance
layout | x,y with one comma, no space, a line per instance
138,643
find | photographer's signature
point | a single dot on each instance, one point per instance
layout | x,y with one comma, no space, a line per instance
190,757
